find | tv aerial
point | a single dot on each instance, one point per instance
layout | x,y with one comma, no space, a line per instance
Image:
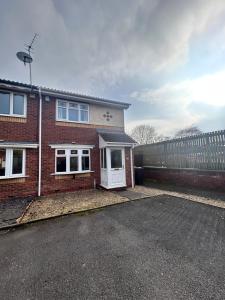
25,57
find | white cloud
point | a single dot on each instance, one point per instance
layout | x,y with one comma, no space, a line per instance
208,89
95,44
172,101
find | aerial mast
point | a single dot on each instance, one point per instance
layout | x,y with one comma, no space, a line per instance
26,58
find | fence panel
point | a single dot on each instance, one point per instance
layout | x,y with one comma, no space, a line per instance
205,151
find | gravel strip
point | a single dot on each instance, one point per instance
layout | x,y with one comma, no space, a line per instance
60,204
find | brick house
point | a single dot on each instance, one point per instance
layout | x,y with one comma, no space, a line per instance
56,141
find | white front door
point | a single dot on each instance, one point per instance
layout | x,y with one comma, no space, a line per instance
117,174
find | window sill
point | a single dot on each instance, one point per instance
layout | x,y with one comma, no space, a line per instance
71,173
76,122
12,177
13,116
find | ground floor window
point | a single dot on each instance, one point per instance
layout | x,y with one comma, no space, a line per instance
72,160
12,162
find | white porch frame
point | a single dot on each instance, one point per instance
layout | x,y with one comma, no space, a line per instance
106,173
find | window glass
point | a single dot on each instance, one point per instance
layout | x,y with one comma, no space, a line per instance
85,163
73,114
84,106
4,103
72,111
17,165
62,110
72,160
102,158
62,113
62,103
73,105
18,104
116,158
61,164
85,151
73,163
73,151
2,161
60,152
105,160
84,116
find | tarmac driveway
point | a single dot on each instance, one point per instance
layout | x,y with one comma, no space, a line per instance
156,248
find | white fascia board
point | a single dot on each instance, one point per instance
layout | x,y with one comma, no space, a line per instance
71,146
116,144
19,145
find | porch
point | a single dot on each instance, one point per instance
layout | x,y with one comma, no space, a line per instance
116,159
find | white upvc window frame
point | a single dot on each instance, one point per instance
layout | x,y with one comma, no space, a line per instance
9,163
103,156
67,155
11,95
79,104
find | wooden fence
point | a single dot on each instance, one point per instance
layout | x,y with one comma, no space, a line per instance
205,151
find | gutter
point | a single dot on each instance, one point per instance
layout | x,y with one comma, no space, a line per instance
68,96
39,142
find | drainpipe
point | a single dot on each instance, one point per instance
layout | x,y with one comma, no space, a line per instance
132,166
40,142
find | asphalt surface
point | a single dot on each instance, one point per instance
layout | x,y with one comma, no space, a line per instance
11,210
157,248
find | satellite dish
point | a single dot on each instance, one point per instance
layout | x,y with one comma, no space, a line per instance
24,57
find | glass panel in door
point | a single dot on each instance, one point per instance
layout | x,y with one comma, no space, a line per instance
116,159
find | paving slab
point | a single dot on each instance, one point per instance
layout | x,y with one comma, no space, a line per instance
132,195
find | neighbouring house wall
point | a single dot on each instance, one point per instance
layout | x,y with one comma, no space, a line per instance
212,180
22,187
21,130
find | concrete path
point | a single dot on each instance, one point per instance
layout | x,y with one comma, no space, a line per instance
202,196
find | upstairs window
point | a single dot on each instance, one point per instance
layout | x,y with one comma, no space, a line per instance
12,163
12,104
72,111
72,160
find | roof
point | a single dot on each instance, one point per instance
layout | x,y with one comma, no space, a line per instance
62,94
116,137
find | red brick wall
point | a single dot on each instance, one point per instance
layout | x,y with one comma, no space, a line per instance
56,134
21,130
26,130
211,180
22,187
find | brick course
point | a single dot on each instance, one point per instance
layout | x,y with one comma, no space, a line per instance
209,180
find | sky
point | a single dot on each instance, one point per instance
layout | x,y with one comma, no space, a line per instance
165,57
